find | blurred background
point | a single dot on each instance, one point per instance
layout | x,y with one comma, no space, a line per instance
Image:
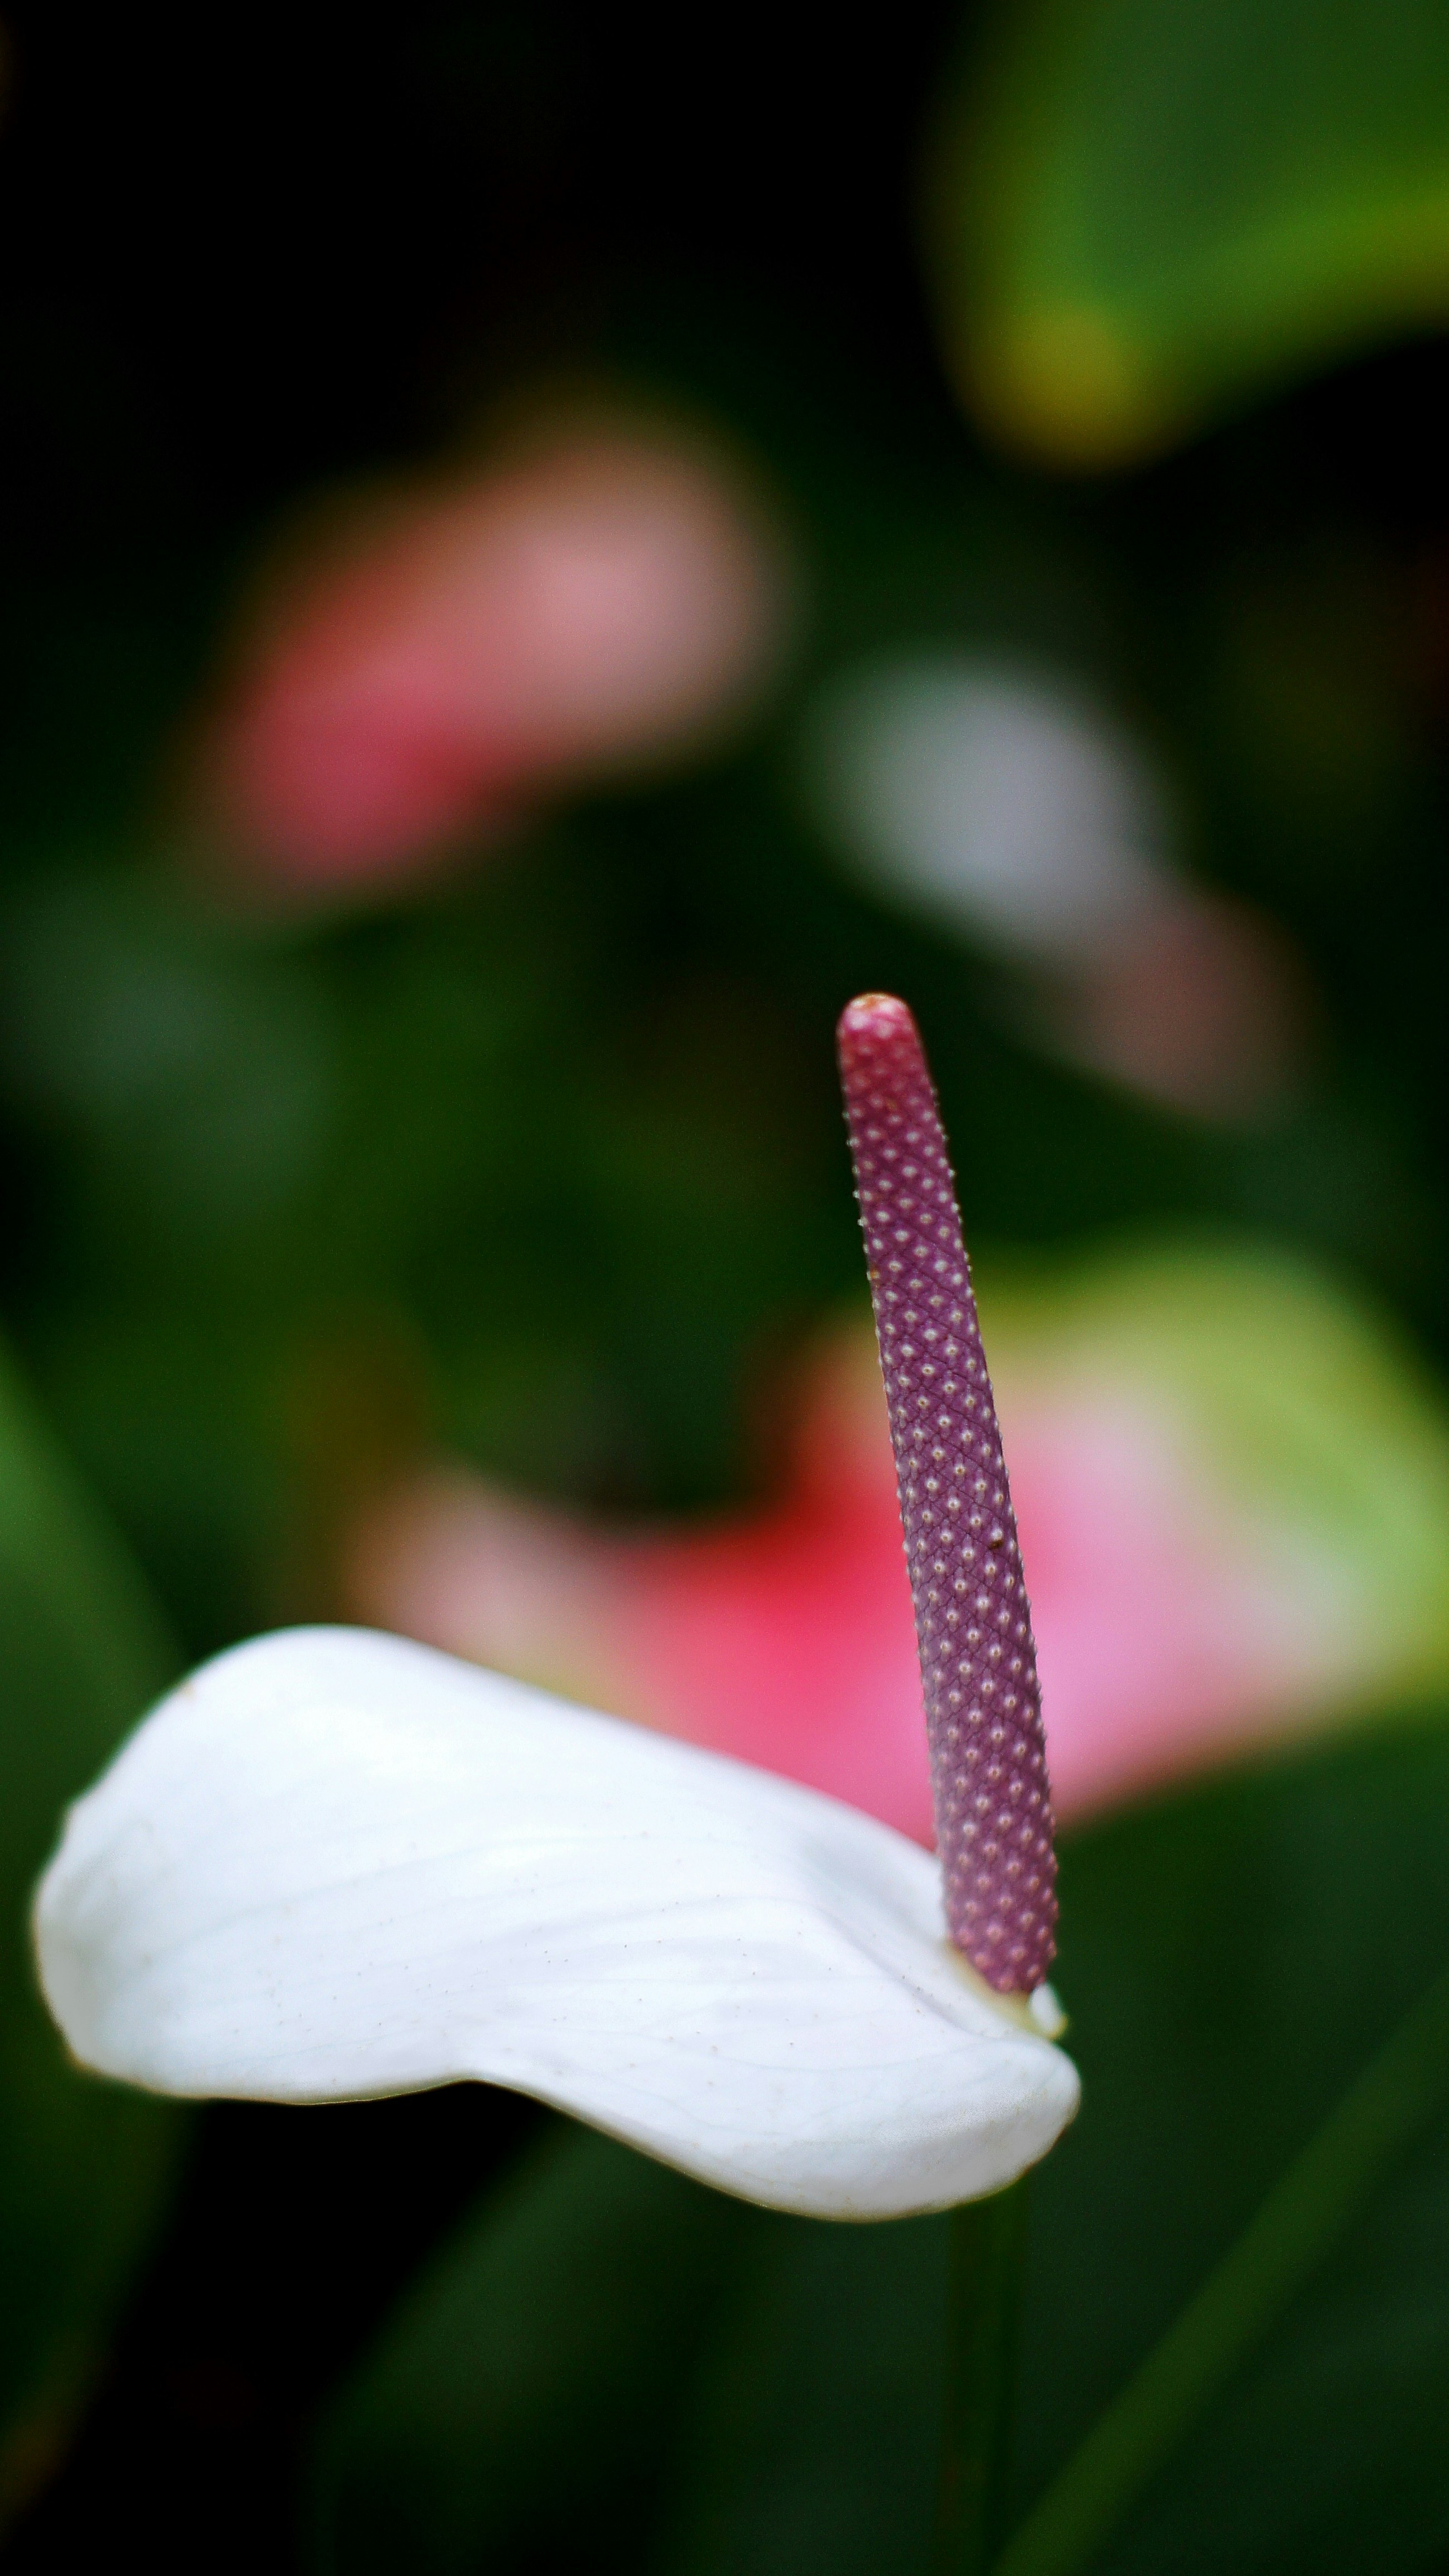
540,551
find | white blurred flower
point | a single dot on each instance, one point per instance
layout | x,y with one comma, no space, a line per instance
1006,805
1000,803
335,1865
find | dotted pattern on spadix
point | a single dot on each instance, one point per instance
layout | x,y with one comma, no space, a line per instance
973,1620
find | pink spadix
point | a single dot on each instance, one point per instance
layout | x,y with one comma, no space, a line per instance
973,1620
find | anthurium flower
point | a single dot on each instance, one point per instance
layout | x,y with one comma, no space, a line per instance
451,651
336,1864
1233,1494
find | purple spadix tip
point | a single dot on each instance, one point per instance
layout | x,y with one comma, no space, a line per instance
973,1620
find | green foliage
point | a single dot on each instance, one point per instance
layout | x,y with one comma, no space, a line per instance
1149,211
83,2165
533,2381
607,2353
1235,1959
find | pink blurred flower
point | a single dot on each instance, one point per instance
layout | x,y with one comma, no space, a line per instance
456,650
1210,1563
1203,1005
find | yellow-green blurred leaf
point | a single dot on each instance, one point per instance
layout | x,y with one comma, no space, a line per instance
1149,212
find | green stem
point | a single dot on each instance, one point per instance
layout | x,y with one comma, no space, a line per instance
1305,2214
984,2294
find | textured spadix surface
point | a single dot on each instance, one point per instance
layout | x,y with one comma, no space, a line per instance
334,1865
973,1621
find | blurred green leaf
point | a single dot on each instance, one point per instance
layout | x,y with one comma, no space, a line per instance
532,2384
1236,1959
1302,2222
765,2393
82,2164
1148,212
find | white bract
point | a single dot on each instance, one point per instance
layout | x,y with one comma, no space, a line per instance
334,1865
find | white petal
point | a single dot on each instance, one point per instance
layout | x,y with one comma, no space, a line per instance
334,1865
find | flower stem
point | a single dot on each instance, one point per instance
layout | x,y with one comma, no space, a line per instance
984,2301
1307,2212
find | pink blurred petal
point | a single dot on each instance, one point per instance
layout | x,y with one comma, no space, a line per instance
789,1642
1202,1004
457,650
783,1636
1226,1636
1181,1613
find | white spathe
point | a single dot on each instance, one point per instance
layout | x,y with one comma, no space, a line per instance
334,1865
